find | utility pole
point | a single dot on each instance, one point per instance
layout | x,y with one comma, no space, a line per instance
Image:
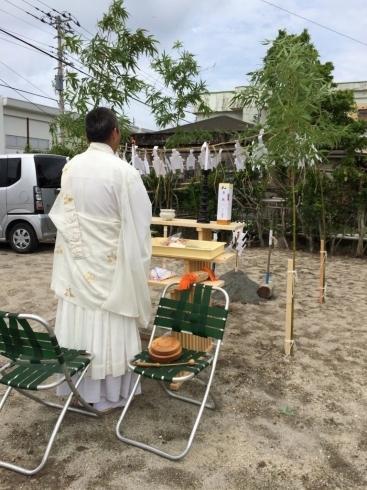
59,78
61,23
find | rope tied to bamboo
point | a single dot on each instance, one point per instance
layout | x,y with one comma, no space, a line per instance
323,289
294,280
293,345
324,252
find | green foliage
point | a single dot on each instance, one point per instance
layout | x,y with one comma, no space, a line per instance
111,76
305,119
179,74
111,59
292,88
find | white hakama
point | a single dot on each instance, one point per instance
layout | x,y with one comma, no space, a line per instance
113,339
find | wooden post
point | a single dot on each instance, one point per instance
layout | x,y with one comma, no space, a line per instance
288,347
322,272
165,233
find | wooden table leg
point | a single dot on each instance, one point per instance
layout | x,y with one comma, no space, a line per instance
204,234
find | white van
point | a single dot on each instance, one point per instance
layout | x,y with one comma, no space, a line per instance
29,184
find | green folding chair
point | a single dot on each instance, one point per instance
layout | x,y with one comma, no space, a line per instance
191,314
33,358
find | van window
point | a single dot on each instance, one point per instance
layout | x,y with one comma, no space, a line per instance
14,170
3,164
49,170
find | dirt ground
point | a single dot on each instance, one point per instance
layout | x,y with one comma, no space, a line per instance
285,423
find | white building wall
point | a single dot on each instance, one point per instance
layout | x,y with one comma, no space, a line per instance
13,125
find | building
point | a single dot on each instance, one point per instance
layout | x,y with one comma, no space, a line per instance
219,102
22,122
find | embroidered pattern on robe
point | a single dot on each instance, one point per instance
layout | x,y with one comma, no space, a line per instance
112,257
90,277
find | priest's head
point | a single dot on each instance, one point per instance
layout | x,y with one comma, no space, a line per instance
102,126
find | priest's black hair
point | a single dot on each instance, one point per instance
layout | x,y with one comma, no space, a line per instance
99,124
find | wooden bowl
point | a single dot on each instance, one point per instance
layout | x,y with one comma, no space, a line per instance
165,349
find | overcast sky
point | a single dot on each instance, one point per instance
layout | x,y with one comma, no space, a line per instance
226,36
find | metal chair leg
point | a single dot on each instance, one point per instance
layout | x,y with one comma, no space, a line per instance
155,450
64,409
211,406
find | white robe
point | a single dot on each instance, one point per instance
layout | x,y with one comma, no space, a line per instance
101,263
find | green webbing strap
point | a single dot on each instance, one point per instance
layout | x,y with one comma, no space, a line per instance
201,308
12,338
37,349
58,350
14,332
179,311
4,332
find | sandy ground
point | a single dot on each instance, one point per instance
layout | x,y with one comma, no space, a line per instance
284,423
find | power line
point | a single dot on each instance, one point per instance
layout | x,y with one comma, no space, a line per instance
28,13
35,7
38,107
43,30
41,50
34,40
16,44
313,22
71,65
26,92
11,69
64,15
49,7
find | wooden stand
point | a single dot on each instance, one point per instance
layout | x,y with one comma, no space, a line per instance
322,272
288,347
191,265
204,229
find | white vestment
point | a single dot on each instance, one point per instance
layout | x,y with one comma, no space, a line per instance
101,266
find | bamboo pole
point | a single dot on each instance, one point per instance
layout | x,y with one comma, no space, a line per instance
294,252
288,347
322,272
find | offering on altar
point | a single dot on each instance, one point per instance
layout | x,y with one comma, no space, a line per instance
186,249
174,241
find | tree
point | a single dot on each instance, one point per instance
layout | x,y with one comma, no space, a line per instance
107,72
292,88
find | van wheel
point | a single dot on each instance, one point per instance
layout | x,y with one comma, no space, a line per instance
23,239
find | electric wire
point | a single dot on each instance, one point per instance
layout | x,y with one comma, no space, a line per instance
43,30
35,86
24,97
41,50
28,13
71,64
31,39
20,45
313,22
27,92
49,7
